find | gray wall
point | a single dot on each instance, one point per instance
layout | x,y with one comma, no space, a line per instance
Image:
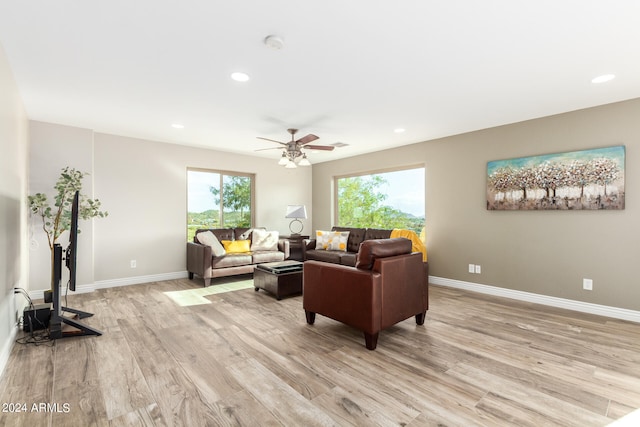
143,186
52,148
13,206
542,252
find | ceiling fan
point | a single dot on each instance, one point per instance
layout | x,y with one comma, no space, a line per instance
292,154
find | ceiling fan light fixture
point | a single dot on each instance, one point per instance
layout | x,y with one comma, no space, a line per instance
292,151
284,159
304,161
290,165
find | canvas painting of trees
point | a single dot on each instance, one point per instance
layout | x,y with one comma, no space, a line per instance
589,179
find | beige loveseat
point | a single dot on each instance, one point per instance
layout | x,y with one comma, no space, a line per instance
247,247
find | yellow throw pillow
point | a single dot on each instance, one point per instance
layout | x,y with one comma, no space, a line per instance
236,246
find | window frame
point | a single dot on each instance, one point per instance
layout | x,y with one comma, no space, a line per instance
336,203
222,173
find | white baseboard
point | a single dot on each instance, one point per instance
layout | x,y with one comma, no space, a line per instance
103,284
6,349
585,307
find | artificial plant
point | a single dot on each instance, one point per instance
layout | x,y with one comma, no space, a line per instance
56,219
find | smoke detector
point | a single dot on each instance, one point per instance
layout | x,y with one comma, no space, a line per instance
274,42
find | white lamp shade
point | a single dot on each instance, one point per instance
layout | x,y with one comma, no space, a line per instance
296,211
304,161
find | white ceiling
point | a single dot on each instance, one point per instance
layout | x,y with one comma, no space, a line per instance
350,71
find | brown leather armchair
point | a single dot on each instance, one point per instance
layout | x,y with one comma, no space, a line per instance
387,285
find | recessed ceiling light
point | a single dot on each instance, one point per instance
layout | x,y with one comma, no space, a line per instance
603,78
177,126
240,77
398,130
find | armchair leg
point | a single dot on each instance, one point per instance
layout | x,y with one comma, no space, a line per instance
190,276
207,282
420,318
311,317
371,340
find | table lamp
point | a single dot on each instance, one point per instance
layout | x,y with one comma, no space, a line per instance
296,212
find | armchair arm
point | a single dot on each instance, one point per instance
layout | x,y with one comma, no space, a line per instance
198,258
404,286
284,246
343,293
307,244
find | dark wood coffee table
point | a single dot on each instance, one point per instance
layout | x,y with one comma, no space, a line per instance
282,278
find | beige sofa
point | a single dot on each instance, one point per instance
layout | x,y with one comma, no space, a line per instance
203,261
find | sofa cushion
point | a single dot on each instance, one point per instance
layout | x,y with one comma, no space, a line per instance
242,233
326,256
370,250
377,233
332,240
221,233
209,239
263,240
348,258
236,246
356,236
231,260
260,257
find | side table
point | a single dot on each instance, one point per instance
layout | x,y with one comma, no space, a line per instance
295,245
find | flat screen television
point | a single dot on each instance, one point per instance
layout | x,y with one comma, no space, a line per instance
71,256
72,249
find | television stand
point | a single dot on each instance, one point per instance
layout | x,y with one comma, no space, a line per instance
57,331
57,321
79,313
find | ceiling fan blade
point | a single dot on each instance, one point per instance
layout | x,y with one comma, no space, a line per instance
271,148
320,147
307,139
272,140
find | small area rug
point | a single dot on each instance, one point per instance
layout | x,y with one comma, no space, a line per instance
197,296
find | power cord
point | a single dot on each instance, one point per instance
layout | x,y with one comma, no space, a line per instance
35,338
25,294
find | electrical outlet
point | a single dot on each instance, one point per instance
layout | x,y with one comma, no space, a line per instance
133,263
472,268
478,269
587,284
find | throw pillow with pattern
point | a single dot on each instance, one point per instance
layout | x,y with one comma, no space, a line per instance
332,240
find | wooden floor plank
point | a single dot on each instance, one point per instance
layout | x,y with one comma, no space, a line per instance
287,406
245,358
541,405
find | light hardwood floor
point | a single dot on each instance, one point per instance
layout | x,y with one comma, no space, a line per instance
248,359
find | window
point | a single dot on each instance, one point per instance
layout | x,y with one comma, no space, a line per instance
217,199
393,199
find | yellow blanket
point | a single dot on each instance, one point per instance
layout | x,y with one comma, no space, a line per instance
417,245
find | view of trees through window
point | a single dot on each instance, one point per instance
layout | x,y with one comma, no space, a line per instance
383,200
218,200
